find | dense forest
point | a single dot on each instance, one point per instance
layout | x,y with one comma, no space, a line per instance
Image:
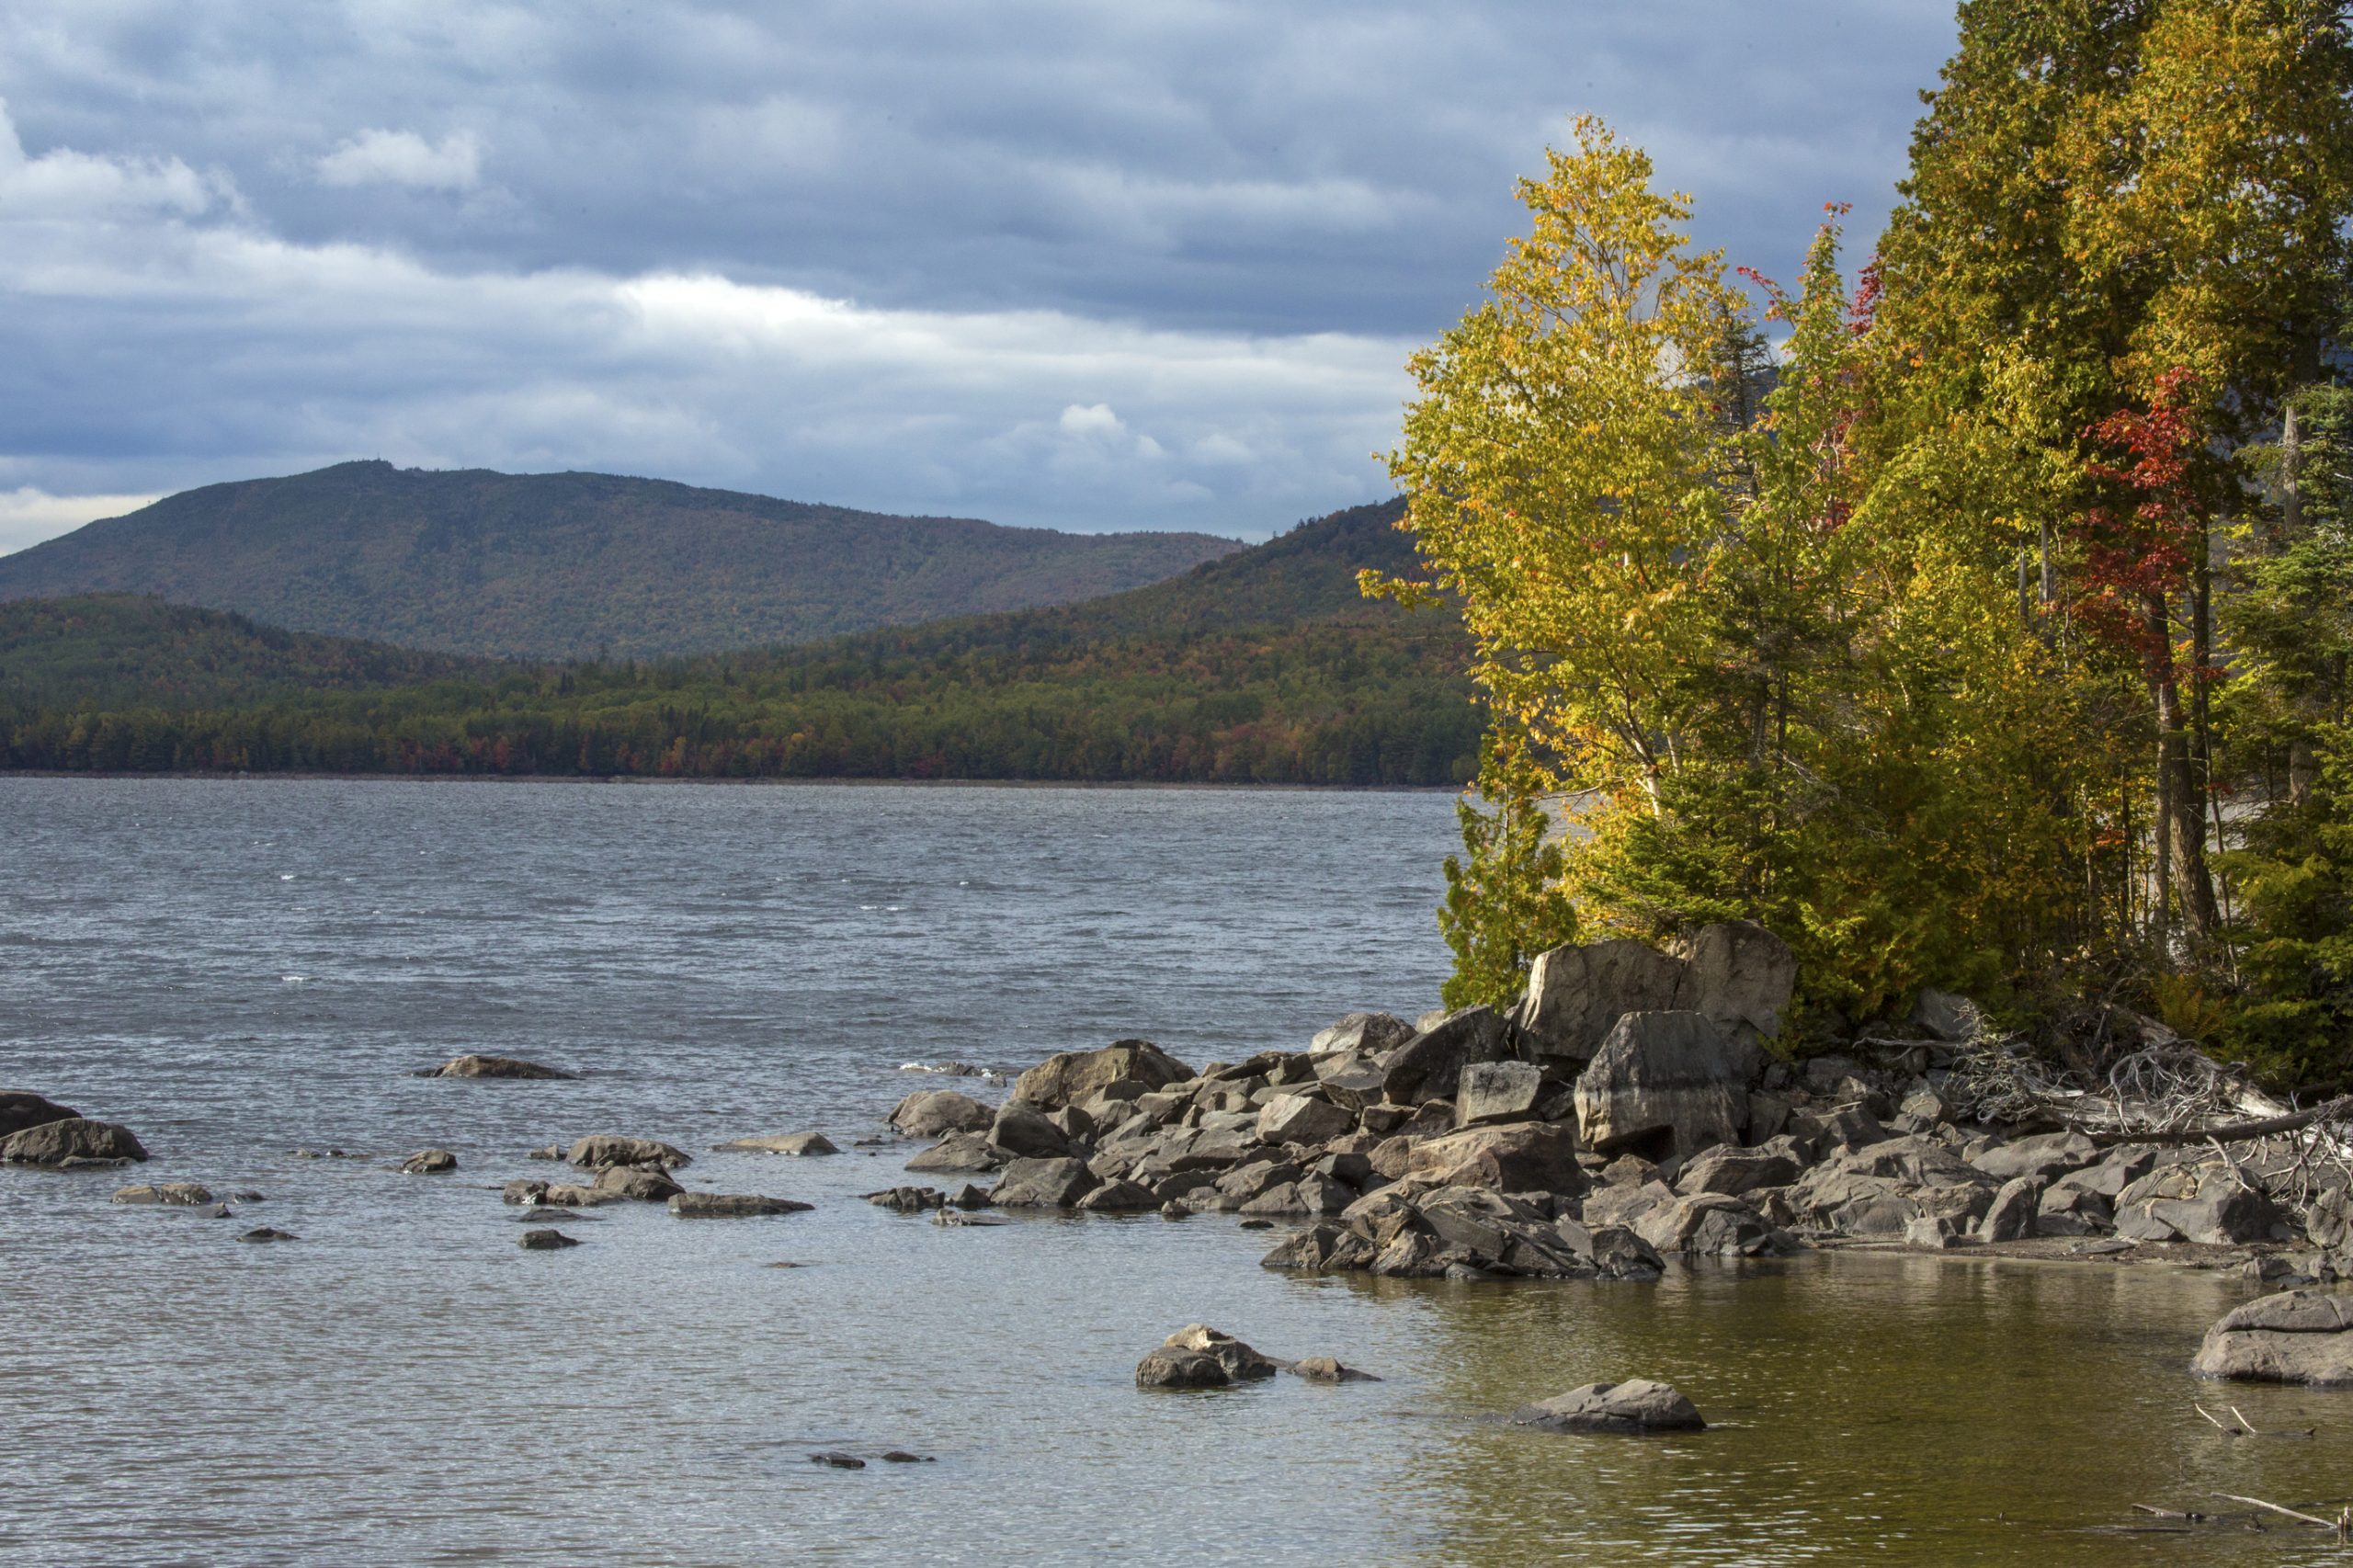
1264,666
574,565
1982,621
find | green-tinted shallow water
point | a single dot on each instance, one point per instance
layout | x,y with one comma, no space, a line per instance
235,969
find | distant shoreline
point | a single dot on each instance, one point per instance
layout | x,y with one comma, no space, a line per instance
222,776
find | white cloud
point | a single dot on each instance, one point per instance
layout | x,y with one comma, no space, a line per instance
29,515
62,184
405,158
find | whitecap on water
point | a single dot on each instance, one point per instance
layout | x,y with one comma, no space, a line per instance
294,979
285,876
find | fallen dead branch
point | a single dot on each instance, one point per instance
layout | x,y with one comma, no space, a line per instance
2342,1524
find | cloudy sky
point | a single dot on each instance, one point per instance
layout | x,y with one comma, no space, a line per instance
1127,264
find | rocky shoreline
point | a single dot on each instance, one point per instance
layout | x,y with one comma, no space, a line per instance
1628,1110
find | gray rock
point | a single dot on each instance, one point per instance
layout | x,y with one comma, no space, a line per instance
1497,1091
1517,1156
960,1152
1120,1198
907,1200
1576,995
1301,1118
1072,1078
1043,1184
473,1065
1947,1016
2296,1336
2072,1212
2328,1222
798,1144
429,1162
21,1108
1636,1406
1927,1231
1167,1369
1740,975
568,1195
731,1205
603,1150
1241,1363
1710,1224
1662,1082
546,1241
2045,1156
934,1113
1024,1132
1735,1171
70,1140
2011,1216
180,1194
1429,1065
527,1192
1368,1034
268,1233
1324,1370
642,1184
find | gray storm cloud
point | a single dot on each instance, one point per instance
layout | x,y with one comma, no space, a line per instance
1151,265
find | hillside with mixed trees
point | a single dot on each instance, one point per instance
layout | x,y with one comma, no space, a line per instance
1266,666
574,565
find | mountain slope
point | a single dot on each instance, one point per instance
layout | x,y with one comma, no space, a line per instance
569,565
1266,666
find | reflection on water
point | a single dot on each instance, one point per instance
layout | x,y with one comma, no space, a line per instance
406,1385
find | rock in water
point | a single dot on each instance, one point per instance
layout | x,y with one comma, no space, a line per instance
1661,1083
544,1240
837,1461
934,1113
800,1144
1165,1369
604,1150
1043,1184
1633,1407
1023,1132
473,1065
2297,1337
731,1205
1241,1362
642,1183
268,1233
185,1194
429,1162
70,1140
21,1108
1324,1370
1072,1078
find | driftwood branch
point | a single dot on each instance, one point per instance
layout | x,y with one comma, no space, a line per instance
2341,1524
2233,1132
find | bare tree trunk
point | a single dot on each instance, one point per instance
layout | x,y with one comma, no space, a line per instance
2182,821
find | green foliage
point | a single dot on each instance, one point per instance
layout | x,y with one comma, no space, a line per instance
1266,667
2294,1019
575,565
1504,905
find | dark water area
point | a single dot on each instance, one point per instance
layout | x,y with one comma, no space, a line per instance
238,969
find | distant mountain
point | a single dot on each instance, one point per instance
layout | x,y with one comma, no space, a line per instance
1266,666
572,565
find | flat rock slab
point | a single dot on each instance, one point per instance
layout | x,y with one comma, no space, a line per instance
731,1205
1632,1408
795,1143
186,1194
72,1142
473,1065
603,1150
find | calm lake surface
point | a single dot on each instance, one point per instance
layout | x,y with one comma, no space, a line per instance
240,969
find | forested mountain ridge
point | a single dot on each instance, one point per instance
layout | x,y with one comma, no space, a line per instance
574,565
1267,666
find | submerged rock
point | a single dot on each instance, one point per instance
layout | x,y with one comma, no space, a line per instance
1325,1369
473,1065
545,1240
2297,1337
429,1162
268,1233
731,1205
800,1144
1636,1406
71,1142
185,1194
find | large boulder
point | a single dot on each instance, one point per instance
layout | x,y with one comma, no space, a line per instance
1632,1407
21,1108
603,1150
964,1151
1043,1184
642,1184
473,1065
2013,1214
1178,1369
1519,1156
1740,975
2045,1156
934,1113
2190,1202
1662,1083
1575,995
1241,1362
1022,1130
1732,1171
72,1141
2297,1337
1365,1034
1710,1224
1072,1077
1430,1066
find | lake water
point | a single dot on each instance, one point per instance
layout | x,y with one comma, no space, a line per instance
240,969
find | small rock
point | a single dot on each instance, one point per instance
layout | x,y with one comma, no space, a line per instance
837,1459
731,1205
642,1183
900,1455
800,1144
545,1240
1169,1369
1238,1359
185,1194
1324,1370
1257,1225
1633,1407
429,1162
266,1234
478,1067
605,1151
